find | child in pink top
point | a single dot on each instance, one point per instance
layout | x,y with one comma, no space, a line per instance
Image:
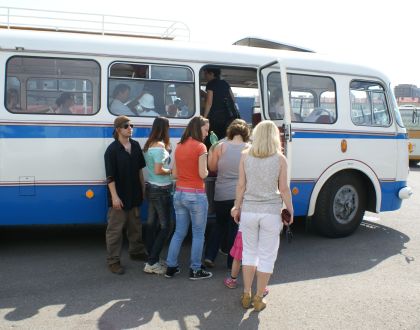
236,252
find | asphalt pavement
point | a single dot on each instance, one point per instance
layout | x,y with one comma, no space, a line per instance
56,278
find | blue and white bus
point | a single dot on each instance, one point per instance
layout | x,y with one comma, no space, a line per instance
342,129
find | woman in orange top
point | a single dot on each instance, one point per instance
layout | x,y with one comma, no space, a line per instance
190,199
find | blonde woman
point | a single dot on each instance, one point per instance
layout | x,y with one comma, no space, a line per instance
261,189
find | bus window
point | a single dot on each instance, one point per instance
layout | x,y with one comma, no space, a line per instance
302,103
312,98
368,104
170,89
54,85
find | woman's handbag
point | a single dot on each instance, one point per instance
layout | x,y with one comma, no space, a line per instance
285,217
231,109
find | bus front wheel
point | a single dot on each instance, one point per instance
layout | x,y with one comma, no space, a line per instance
341,205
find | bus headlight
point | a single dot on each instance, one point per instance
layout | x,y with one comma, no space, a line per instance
405,193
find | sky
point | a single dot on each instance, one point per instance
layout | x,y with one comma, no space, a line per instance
380,34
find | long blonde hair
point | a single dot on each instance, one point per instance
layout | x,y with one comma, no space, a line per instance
265,140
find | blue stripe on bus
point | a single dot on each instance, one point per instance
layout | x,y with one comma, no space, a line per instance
65,131
66,204
38,131
334,135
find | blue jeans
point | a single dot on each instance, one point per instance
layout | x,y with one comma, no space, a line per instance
159,219
189,207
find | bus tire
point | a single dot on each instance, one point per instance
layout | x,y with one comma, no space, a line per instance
340,206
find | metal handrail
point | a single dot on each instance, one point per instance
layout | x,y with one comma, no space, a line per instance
17,18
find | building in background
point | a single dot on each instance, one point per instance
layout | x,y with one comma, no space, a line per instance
407,94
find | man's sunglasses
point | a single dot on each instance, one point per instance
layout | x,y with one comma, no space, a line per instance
125,126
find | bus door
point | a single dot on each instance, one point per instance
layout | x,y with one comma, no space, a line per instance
275,103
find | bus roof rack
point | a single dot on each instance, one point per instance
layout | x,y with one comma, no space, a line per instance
74,22
265,43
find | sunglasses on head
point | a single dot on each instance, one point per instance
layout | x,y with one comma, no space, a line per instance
125,126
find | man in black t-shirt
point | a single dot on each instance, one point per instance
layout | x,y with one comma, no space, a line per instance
124,161
218,90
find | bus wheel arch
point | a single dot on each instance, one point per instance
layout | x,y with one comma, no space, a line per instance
339,201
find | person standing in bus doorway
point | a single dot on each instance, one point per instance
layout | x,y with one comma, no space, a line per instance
158,192
262,187
215,109
190,199
124,162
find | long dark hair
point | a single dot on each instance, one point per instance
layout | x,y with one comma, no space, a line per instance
160,132
193,129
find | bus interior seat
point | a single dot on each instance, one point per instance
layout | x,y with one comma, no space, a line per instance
324,119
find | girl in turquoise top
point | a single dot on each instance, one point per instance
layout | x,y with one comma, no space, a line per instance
158,192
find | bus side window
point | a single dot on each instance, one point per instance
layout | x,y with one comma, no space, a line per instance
47,81
368,104
312,99
160,81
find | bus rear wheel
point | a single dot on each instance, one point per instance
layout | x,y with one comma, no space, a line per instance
340,206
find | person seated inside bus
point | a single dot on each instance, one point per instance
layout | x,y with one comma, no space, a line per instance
146,106
319,116
12,99
120,97
64,103
185,101
276,108
172,110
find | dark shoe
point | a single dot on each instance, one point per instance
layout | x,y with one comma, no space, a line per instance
223,252
209,263
172,271
139,256
116,268
199,274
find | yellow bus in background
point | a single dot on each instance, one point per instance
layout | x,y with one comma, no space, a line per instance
411,117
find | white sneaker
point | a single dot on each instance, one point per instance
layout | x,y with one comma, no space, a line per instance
156,268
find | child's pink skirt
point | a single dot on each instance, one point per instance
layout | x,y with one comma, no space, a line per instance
236,250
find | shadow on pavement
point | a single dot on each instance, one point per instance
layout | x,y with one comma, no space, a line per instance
65,265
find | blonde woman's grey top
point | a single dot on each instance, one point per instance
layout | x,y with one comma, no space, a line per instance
228,171
262,193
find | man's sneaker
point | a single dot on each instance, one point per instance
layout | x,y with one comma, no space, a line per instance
138,256
172,271
199,274
156,268
116,268
209,263
230,282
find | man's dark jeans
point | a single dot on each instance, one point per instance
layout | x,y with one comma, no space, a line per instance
159,219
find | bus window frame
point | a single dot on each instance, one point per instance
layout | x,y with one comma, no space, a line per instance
24,83
384,92
149,79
